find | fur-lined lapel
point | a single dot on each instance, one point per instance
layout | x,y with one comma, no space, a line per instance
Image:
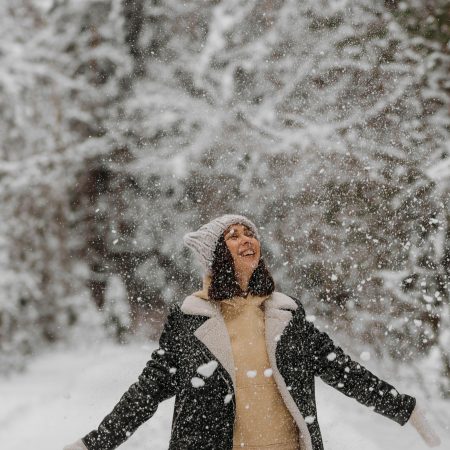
213,332
276,321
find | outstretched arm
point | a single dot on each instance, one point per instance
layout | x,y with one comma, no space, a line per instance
337,369
157,382
351,378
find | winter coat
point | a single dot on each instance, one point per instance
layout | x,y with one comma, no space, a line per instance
195,335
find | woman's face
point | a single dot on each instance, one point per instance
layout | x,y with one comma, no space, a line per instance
244,248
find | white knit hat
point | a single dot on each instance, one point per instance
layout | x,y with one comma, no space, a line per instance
203,241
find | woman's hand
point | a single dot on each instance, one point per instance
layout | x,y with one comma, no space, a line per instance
419,421
78,445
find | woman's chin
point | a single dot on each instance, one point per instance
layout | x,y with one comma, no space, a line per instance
251,265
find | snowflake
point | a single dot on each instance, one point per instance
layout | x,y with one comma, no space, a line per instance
207,369
197,382
365,356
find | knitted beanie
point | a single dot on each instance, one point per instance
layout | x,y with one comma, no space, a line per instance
203,241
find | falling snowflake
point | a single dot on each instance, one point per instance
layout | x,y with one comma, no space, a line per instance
197,382
207,369
365,356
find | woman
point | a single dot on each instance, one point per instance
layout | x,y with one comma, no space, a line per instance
241,359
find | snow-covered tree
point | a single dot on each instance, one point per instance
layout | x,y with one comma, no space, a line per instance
325,121
54,83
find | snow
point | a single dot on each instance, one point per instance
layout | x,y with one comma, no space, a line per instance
326,121
73,389
197,382
207,369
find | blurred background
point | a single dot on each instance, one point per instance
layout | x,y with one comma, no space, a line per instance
126,123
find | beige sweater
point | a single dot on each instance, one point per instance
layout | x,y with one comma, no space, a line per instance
262,419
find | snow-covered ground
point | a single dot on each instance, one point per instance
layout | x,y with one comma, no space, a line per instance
65,393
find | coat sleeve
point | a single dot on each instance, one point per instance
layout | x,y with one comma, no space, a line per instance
157,382
338,370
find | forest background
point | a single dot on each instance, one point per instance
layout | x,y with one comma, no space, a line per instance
126,123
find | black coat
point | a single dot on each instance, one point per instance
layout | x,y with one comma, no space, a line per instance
204,413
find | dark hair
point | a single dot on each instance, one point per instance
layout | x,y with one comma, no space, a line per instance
223,279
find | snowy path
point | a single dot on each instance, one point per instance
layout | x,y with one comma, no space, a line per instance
65,394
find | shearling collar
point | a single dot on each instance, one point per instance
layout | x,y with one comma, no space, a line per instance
278,309
198,303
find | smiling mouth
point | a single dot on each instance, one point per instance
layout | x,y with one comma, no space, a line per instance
247,253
